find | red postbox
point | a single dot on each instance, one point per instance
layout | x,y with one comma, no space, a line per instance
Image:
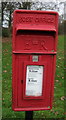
35,36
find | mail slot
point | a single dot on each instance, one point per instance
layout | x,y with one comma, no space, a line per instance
34,51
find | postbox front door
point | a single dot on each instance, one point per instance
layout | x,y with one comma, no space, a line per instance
34,59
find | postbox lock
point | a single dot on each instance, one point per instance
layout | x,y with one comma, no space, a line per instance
22,81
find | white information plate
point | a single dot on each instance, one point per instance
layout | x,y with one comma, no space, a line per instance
34,79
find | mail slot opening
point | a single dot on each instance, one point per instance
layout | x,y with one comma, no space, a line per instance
20,31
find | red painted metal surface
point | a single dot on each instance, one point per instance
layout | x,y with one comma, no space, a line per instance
34,33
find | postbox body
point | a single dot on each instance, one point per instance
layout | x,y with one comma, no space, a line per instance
34,41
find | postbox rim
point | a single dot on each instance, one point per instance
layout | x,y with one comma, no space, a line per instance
37,11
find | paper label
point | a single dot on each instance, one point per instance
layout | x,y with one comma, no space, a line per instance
34,79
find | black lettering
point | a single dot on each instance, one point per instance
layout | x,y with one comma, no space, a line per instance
34,71
33,80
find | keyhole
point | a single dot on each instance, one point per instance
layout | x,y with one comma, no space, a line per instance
29,80
22,81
